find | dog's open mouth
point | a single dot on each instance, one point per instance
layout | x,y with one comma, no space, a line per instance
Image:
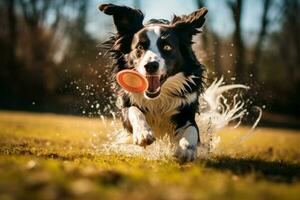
153,86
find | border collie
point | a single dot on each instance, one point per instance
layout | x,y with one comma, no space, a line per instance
162,52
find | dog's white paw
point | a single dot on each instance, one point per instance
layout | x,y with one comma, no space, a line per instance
143,137
185,154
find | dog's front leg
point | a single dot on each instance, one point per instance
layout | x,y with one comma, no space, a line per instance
186,150
142,134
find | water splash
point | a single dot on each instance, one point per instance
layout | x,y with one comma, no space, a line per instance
216,112
120,142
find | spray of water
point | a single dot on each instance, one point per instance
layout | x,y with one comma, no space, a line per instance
216,112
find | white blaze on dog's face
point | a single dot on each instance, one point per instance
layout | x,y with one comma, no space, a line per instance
155,54
150,63
152,54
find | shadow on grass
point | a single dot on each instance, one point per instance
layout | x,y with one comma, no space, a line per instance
275,171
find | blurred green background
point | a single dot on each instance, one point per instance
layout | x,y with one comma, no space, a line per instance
51,60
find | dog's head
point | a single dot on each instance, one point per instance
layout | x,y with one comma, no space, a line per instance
159,49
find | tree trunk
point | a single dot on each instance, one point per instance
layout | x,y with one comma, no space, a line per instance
239,62
215,44
254,67
12,33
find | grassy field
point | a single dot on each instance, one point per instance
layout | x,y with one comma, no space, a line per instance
44,156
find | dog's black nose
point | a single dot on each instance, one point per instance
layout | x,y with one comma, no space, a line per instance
151,67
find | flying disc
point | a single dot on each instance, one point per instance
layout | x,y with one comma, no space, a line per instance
132,81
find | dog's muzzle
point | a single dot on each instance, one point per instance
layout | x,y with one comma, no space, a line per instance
153,78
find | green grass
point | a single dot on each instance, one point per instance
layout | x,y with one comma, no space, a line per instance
45,156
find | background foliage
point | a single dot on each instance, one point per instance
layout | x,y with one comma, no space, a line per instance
51,61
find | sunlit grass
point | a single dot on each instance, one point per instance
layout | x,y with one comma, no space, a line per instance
45,156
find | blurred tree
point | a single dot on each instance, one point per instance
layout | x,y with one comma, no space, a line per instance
236,7
289,52
254,66
8,44
37,58
290,41
12,38
211,44
41,41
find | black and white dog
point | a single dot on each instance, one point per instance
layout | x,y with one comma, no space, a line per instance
162,52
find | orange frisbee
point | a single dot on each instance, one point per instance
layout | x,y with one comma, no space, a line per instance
132,81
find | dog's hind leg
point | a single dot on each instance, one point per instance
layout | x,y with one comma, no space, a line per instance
142,134
186,150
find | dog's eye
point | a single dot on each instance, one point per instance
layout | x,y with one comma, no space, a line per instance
167,47
140,47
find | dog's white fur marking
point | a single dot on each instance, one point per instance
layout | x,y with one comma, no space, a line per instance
159,110
152,54
166,102
142,134
187,149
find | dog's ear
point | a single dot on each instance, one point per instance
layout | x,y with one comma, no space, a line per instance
188,25
127,20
